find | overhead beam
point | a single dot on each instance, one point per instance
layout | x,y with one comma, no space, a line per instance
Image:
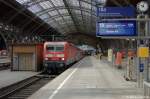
19,11
24,12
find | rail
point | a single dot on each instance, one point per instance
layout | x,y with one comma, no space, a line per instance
146,90
14,87
25,88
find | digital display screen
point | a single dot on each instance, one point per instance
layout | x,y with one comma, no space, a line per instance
116,28
116,11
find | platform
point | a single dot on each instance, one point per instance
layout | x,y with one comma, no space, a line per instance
8,77
89,79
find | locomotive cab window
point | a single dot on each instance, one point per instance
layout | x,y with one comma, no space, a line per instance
50,48
59,48
55,48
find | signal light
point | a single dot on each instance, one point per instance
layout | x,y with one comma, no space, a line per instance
62,58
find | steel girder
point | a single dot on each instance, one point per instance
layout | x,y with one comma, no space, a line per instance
19,11
8,36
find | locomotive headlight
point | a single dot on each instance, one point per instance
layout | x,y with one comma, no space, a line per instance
46,58
62,58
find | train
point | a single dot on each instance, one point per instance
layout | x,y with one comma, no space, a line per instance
59,55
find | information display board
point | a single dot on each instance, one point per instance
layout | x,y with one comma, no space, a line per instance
116,28
116,11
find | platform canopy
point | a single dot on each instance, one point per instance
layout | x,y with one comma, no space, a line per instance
70,16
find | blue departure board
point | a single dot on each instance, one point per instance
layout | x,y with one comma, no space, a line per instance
116,28
128,11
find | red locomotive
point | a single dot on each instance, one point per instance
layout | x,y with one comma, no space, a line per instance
59,55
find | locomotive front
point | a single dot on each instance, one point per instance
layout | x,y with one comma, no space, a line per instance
54,57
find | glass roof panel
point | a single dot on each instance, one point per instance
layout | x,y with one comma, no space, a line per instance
80,19
63,11
35,8
67,18
89,1
58,2
44,16
74,2
53,13
46,4
86,5
94,2
57,15
86,13
68,23
94,9
59,20
77,11
23,1
70,29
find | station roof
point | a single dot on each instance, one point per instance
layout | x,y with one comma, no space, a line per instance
70,16
14,14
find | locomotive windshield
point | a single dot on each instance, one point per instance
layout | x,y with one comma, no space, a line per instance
55,48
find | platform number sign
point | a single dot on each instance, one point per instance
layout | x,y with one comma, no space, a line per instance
116,11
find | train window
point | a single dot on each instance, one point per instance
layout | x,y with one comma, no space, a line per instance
50,48
55,48
59,48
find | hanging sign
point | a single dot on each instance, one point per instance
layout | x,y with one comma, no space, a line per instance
116,11
116,28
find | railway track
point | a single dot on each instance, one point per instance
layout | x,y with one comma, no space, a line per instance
25,88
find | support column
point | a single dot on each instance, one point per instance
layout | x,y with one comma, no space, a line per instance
142,62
